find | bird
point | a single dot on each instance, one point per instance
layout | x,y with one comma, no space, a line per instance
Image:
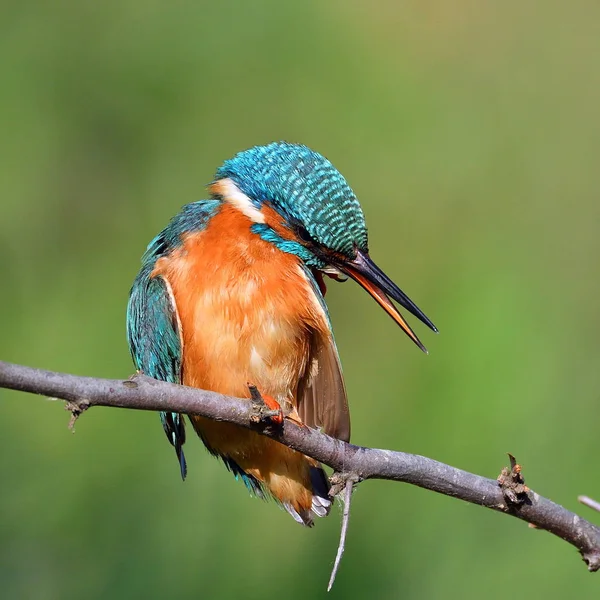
232,293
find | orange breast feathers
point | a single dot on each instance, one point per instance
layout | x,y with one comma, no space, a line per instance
247,314
246,309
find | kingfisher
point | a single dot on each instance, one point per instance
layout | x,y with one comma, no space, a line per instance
231,293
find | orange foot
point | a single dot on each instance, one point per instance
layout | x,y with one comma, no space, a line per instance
274,406
268,410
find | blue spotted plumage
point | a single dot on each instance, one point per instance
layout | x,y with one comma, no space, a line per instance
305,188
155,345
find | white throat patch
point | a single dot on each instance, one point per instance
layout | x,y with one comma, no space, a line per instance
231,193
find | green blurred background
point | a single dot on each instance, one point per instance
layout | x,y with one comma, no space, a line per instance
470,132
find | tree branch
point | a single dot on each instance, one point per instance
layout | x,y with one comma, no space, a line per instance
144,393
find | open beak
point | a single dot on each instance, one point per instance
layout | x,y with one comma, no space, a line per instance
363,270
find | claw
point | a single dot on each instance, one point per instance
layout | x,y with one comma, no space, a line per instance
267,410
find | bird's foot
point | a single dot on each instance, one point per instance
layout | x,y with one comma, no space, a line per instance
267,411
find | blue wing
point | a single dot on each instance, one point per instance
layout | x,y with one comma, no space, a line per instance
153,328
154,339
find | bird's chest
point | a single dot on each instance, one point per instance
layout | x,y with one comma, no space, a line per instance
246,311
236,334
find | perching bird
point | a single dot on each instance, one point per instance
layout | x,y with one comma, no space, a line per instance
231,292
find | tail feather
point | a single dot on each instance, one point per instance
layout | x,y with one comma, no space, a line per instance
321,502
302,517
182,461
174,427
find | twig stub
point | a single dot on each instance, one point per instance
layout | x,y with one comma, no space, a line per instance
512,483
347,482
338,482
589,502
266,413
76,408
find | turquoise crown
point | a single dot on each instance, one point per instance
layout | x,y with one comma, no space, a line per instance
305,188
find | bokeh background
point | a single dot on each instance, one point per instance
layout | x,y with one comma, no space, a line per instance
470,132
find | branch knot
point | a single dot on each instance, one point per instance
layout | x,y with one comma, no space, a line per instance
76,408
512,484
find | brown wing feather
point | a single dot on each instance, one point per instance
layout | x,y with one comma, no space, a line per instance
322,400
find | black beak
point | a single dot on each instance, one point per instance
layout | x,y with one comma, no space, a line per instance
363,270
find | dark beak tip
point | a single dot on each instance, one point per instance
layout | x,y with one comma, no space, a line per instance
422,348
428,323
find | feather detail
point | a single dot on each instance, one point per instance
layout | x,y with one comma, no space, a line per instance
154,335
322,400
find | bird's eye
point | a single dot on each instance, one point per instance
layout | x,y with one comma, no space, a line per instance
304,235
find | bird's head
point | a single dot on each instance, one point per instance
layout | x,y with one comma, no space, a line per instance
298,201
